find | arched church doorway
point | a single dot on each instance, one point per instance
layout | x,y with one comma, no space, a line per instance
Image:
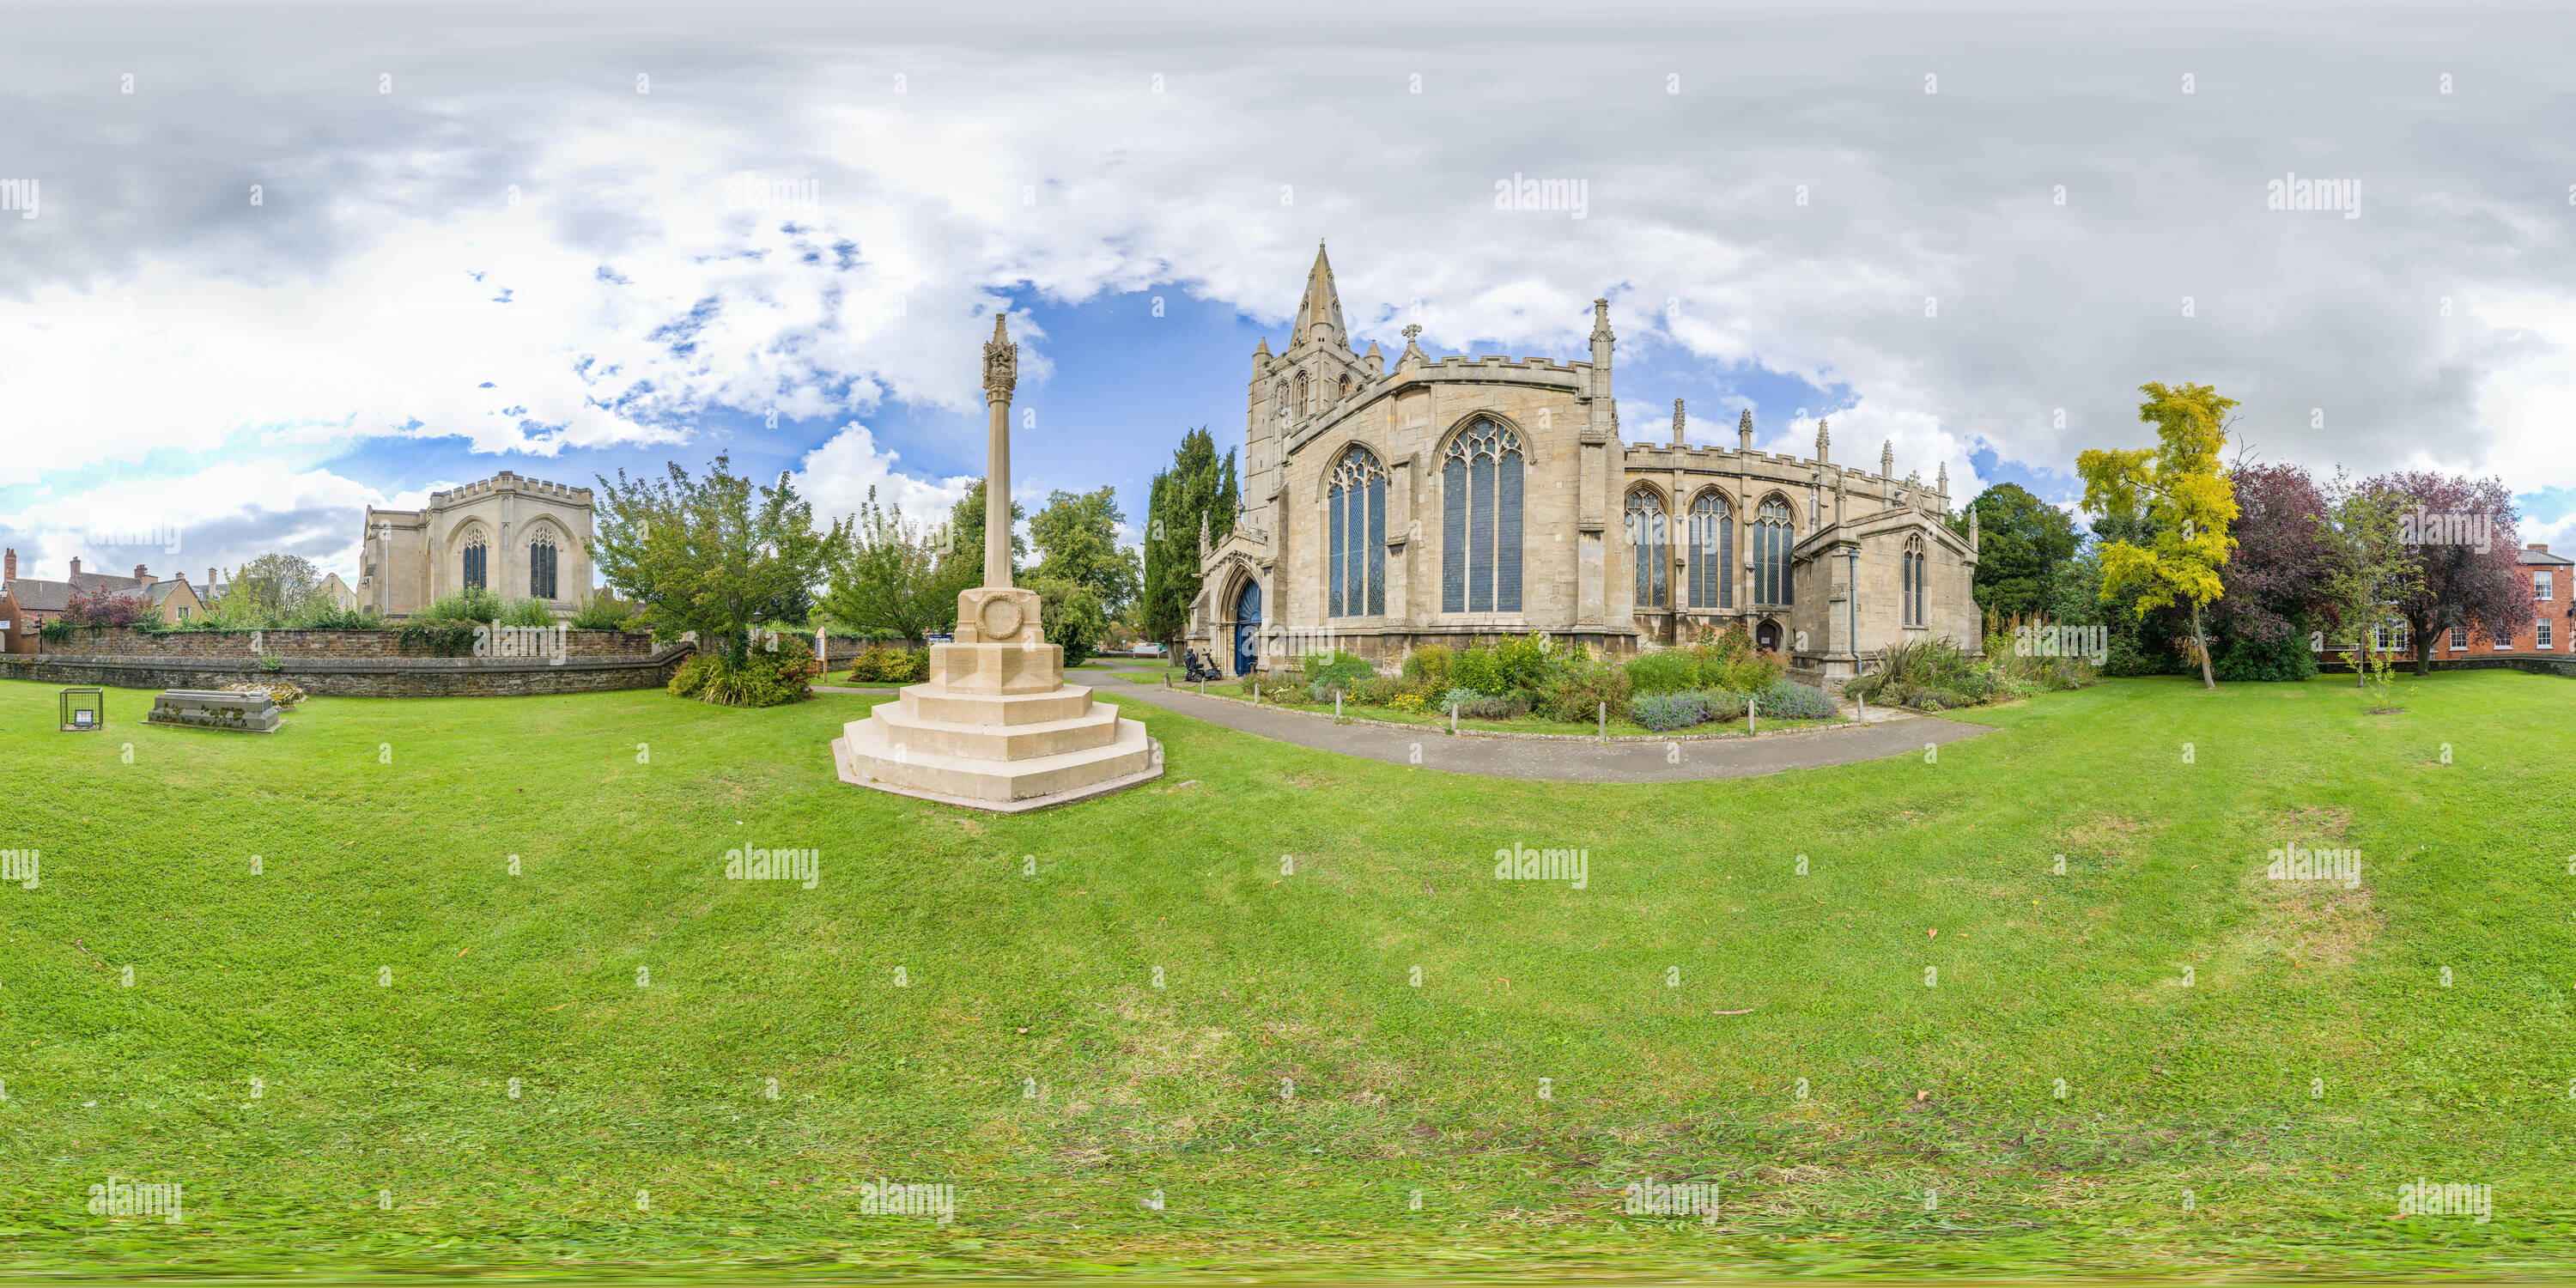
1767,637
1247,627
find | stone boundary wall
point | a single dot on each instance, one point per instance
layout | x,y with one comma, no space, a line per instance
399,677
125,642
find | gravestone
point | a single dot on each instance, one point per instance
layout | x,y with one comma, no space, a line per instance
209,709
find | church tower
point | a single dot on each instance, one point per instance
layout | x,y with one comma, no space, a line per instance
1313,372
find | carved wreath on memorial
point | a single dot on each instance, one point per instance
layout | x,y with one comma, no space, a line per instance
1000,618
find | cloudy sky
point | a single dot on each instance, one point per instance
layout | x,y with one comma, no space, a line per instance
287,261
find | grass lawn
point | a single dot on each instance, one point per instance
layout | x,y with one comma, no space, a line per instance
1163,1008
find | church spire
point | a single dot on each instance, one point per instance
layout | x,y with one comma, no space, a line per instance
1824,442
1322,304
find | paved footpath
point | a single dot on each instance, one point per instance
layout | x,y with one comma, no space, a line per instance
1565,760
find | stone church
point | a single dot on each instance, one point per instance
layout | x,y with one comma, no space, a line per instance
519,538
1460,499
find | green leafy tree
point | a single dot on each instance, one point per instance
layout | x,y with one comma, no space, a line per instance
896,577
704,555
2182,487
962,564
275,584
1073,616
1199,483
2367,569
1077,540
2022,542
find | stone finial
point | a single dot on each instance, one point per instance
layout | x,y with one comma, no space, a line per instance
1001,362
1744,431
1824,442
1942,483
1601,318
1203,536
1677,422
1412,351
1887,460
1972,529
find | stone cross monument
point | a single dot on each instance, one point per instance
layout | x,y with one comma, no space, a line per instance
996,727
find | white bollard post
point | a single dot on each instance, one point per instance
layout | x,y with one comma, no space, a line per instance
1752,714
1337,704
1603,715
1453,719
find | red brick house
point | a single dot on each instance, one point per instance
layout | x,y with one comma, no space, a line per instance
27,603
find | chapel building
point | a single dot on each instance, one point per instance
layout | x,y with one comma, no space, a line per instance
1457,500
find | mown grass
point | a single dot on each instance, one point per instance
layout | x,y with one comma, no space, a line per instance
1287,1088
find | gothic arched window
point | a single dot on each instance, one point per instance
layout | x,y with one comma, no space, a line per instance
1305,395
1712,552
1654,557
1357,578
1279,396
1772,537
1346,386
541,567
475,563
1480,521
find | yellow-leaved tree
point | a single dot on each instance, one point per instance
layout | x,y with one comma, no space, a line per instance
2179,493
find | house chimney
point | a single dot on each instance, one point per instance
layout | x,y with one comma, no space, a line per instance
140,574
9,570
2541,546
75,565
210,577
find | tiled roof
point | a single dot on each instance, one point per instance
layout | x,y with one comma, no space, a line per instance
104,581
2542,557
36,595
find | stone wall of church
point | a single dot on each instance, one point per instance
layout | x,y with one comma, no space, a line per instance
1409,430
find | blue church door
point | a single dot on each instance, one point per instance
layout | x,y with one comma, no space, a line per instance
1247,628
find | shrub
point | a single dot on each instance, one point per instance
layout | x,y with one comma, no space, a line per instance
1430,665
1477,669
472,604
1384,690
603,611
1523,664
110,608
1663,671
525,612
319,613
1480,707
1723,704
1662,712
2244,659
1790,700
880,665
57,629
1326,672
438,638
1581,683
691,679
1273,688
764,679
1458,697
1408,703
